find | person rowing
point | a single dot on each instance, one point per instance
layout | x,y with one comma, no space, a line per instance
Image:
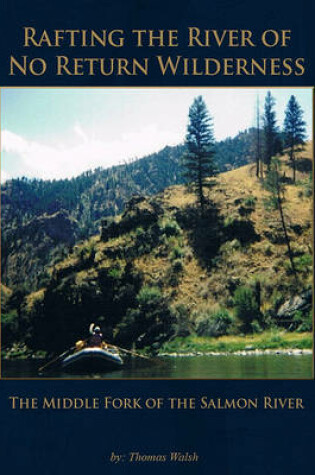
96,338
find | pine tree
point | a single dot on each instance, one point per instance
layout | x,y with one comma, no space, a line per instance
294,130
198,160
272,141
258,140
275,201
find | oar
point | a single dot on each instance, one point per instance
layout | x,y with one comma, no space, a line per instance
134,353
56,359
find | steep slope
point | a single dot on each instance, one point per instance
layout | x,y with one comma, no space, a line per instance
28,206
161,267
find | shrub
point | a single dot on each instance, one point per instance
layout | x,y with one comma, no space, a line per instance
140,231
248,206
228,221
307,324
148,324
177,266
308,191
204,290
174,272
177,253
140,235
9,327
246,307
171,228
277,299
298,250
250,201
149,295
214,323
268,250
115,272
301,322
182,325
256,328
303,263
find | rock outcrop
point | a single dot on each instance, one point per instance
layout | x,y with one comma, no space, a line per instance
297,303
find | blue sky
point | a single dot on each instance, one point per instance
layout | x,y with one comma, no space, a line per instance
58,133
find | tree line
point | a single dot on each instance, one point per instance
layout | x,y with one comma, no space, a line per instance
30,206
199,158
270,143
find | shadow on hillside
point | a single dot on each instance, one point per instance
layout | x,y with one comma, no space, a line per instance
302,164
241,229
207,232
204,231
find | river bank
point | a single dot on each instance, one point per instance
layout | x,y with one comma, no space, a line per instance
268,342
19,351
287,352
265,343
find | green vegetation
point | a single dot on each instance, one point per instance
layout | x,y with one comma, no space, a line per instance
149,324
272,141
302,323
177,253
171,228
303,263
43,219
275,201
198,159
246,308
214,322
138,284
237,274
294,131
269,340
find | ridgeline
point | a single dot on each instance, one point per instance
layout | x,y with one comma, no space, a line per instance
42,220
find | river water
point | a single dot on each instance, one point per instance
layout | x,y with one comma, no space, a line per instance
193,367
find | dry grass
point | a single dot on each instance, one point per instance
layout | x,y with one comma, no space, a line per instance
34,297
5,292
198,283
262,259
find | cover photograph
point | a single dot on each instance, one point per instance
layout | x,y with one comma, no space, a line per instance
157,232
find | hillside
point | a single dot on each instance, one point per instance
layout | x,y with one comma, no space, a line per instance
29,207
161,270
32,210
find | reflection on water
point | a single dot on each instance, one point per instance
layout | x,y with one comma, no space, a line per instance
195,367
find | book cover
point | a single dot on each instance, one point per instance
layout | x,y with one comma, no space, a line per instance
157,237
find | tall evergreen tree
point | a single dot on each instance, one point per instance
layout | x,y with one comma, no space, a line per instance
272,141
275,201
258,147
294,130
198,160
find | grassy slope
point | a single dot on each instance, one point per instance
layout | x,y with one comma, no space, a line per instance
263,259
199,286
